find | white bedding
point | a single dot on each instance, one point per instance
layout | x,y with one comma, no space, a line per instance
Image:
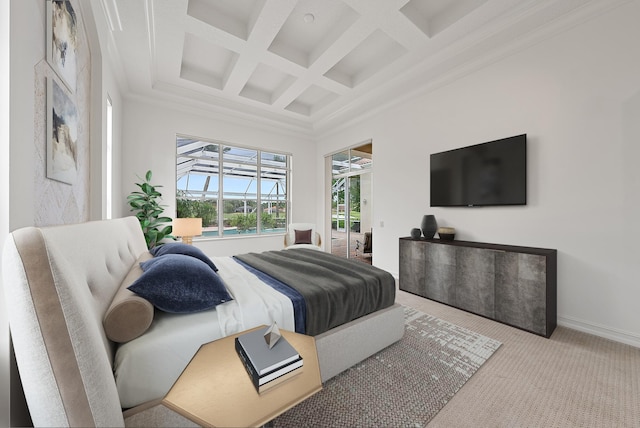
146,368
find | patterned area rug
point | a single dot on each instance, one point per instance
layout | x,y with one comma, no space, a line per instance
405,384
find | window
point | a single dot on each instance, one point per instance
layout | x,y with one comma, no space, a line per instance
235,190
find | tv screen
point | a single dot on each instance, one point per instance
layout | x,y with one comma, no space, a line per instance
488,174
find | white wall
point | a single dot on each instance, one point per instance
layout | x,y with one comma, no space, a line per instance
26,47
577,96
149,143
5,373
106,82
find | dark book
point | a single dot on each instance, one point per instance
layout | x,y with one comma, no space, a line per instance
263,358
272,378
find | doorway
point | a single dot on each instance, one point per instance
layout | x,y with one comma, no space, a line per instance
351,202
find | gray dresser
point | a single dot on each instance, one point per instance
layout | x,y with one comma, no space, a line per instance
511,284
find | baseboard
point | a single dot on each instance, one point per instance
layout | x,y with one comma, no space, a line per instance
614,334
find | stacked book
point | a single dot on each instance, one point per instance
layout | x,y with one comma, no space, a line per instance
267,367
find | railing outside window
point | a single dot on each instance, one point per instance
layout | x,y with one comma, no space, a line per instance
237,191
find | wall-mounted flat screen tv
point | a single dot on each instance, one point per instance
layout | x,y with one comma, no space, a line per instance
487,174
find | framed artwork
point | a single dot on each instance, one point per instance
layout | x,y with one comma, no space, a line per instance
62,134
62,41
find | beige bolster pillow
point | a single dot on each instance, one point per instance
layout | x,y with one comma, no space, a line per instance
129,315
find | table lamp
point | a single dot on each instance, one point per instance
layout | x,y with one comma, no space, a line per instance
187,228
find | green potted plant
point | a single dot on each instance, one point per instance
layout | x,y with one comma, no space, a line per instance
149,212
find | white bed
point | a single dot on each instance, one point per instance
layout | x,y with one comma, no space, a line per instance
146,368
61,284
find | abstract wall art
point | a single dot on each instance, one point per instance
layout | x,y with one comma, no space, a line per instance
62,134
62,40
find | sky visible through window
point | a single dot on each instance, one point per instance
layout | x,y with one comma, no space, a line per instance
235,190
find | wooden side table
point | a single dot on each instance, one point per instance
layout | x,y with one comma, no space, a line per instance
215,389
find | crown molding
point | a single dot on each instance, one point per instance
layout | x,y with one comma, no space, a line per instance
449,66
211,111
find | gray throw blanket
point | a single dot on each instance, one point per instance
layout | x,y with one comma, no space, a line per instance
336,290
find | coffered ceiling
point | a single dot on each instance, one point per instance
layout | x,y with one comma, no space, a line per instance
307,64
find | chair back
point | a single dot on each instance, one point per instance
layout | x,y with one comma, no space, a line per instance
290,237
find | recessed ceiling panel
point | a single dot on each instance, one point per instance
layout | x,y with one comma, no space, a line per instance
311,100
266,84
232,16
308,64
434,16
205,63
372,55
311,28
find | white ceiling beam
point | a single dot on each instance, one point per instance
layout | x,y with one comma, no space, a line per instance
266,27
152,41
348,41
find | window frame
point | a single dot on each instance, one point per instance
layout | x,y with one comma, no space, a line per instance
219,172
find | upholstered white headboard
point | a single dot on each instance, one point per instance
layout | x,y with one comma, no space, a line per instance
59,282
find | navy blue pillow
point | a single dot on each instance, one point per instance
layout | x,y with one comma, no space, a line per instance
180,284
186,249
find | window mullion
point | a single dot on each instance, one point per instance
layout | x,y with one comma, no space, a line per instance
259,193
221,190
197,193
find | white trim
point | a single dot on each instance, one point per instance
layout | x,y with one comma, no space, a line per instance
610,333
208,111
110,9
355,146
108,164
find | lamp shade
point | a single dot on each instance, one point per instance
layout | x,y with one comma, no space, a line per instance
187,226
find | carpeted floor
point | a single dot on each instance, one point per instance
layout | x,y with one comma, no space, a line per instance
571,380
405,384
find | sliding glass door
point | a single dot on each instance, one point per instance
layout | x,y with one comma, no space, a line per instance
351,191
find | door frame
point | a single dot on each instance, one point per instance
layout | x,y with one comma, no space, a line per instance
328,194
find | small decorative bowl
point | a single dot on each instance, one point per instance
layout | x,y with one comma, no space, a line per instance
416,233
446,233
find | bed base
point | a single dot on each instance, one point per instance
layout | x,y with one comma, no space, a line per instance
346,345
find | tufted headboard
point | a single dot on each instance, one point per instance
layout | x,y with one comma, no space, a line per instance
59,282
